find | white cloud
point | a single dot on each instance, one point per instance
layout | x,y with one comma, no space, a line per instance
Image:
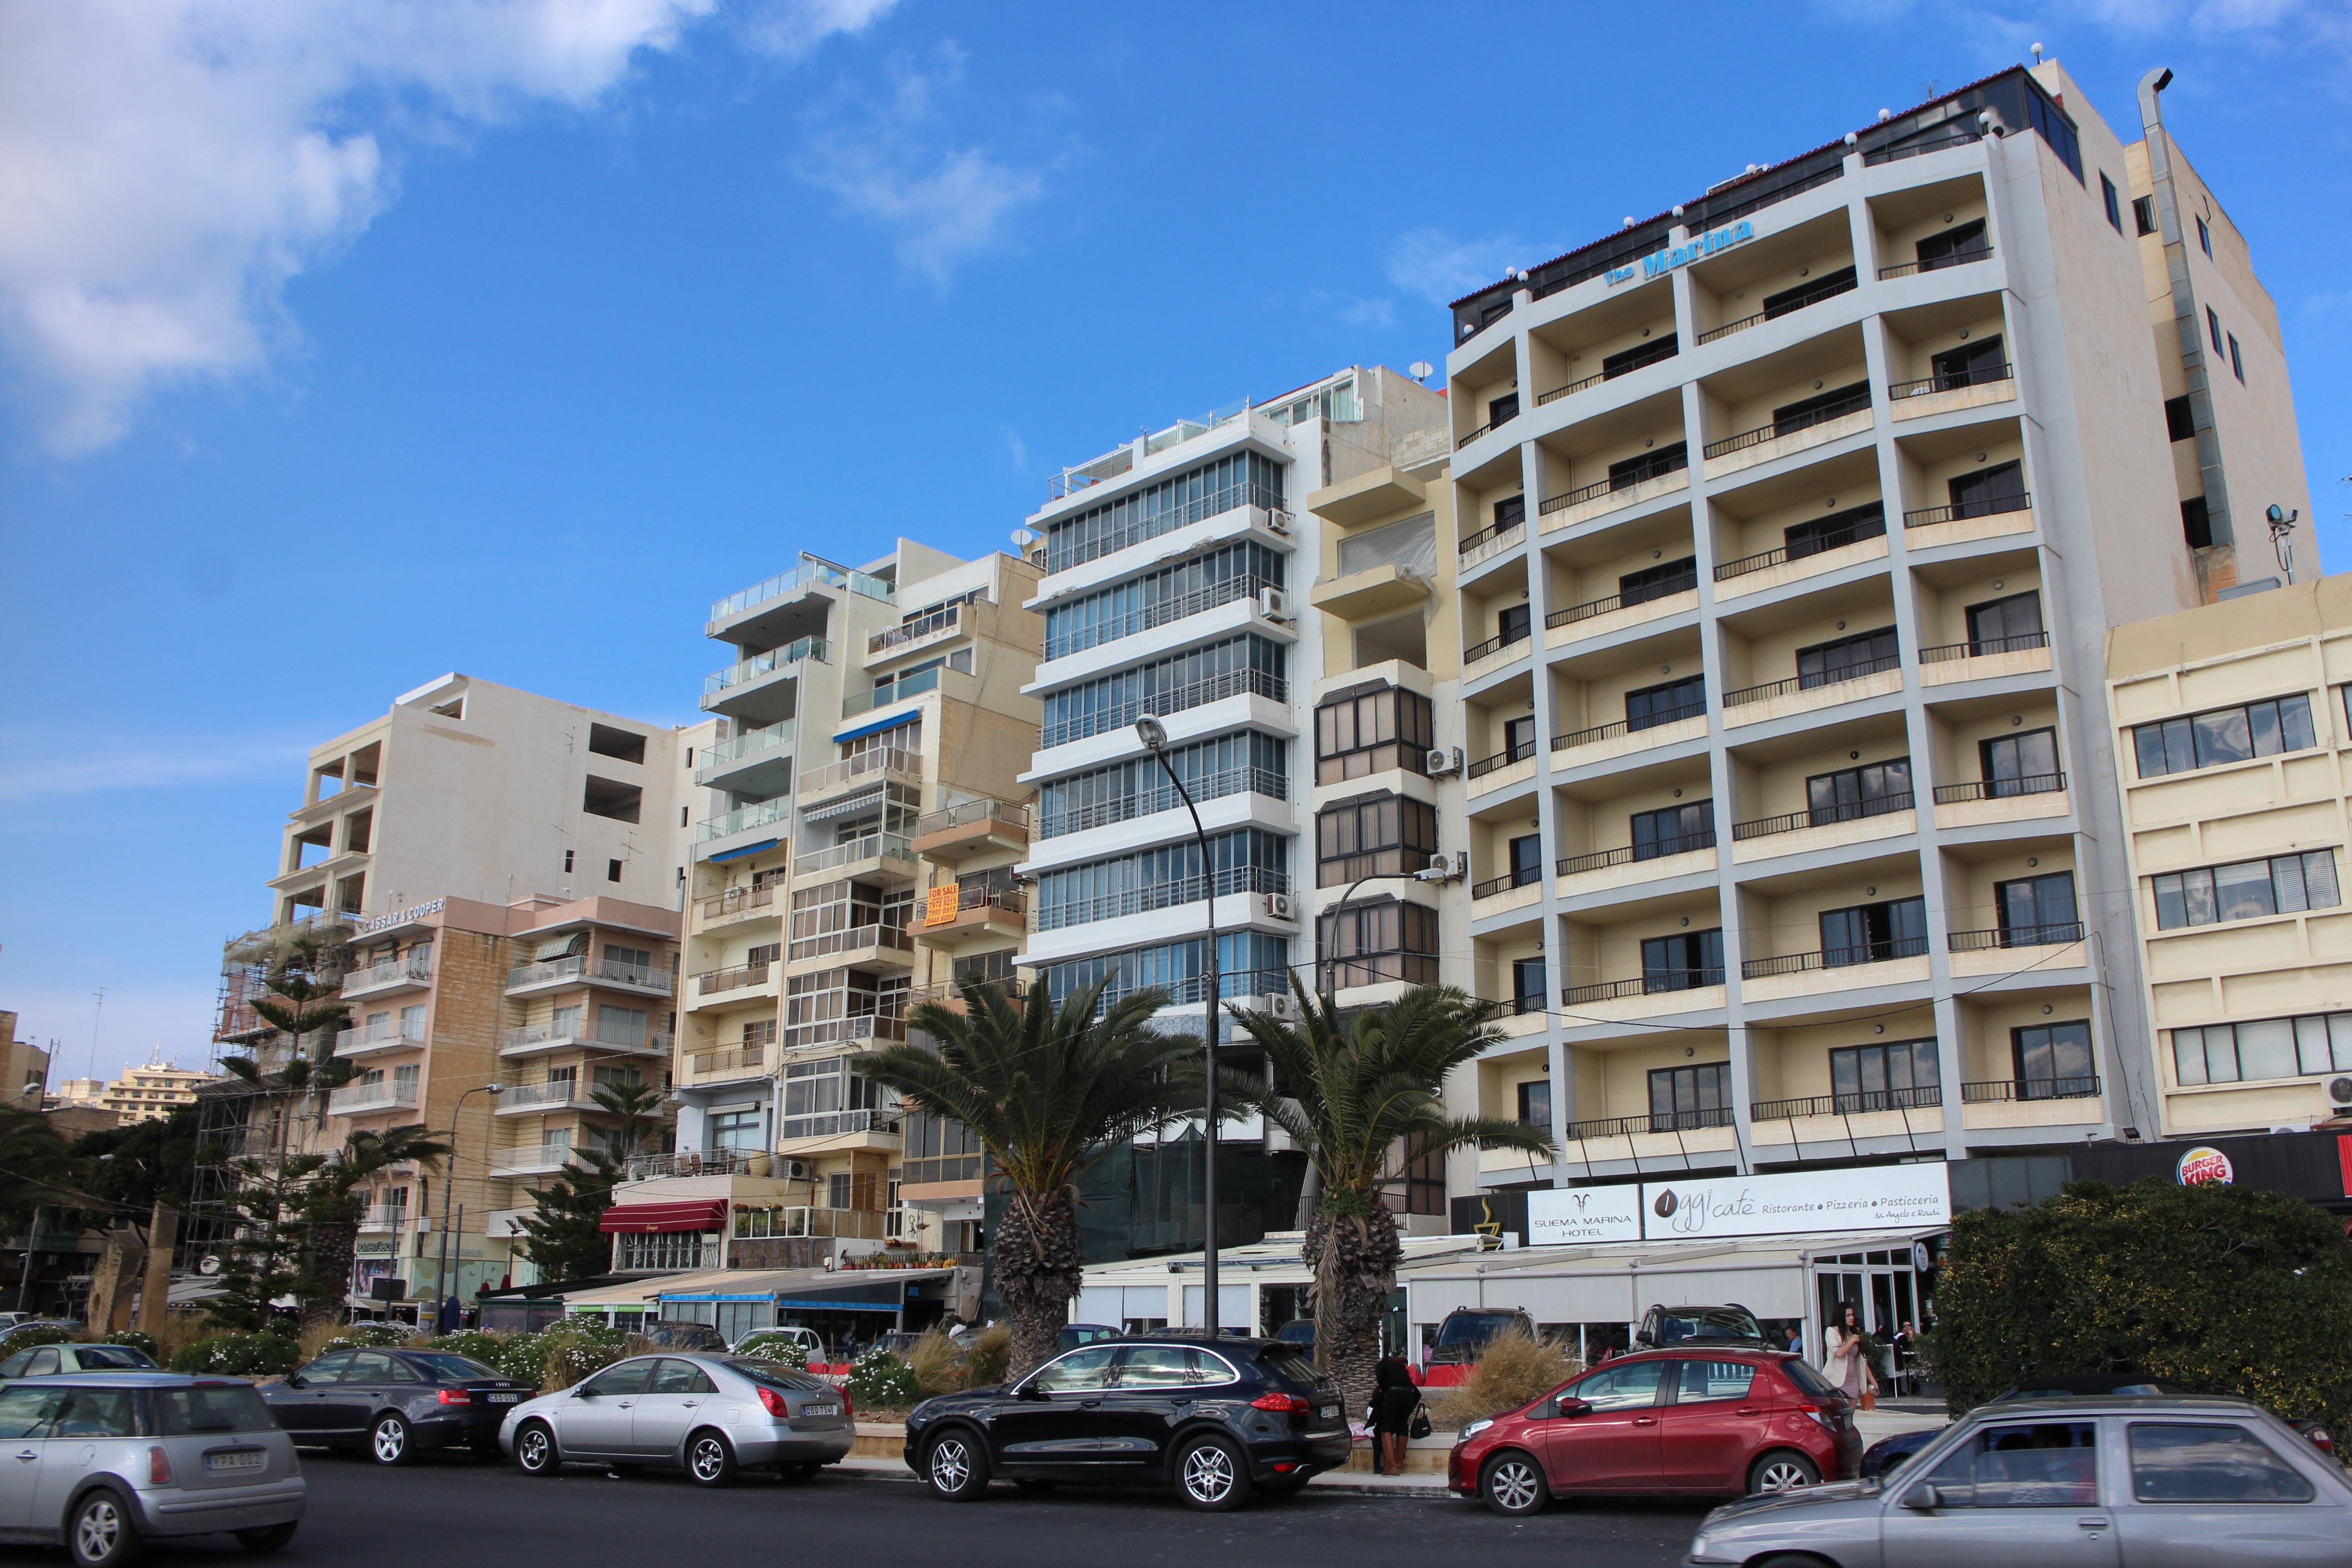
946,204
1353,310
34,766
167,165
1439,267
1017,449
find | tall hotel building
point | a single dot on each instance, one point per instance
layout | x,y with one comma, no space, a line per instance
1791,526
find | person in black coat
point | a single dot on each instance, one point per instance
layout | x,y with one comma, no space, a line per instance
1394,1399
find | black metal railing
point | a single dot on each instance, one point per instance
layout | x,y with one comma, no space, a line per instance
1483,429
1808,682
1502,759
1656,983
1664,1122
1499,533
1665,588
1674,464
2029,1088
1937,263
1991,506
1626,727
1835,958
1495,644
1999,789
1739,210
2055,934
1827,290
1961,135
1626,855
1819,544
1559,392
1950,380
1809,418
1525,876
1856,1102
1979,648
1823,816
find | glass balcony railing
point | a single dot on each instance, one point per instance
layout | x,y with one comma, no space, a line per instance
767,663
888,846
888,692
751,743
758,814
807,574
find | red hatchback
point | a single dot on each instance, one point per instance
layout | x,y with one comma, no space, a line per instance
1713,1421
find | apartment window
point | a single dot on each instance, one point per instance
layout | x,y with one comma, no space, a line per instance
1890,1077
1822,406
2299,1047
633,963
1655,464
2196,523
1850,794
902,737
1244,763
2212,322
623,746
1657,582
2050,123
1689,1097
1535,1102
1951,247
1526,860
2023,764
1502,410
1246,478
611,870
1246,860
1249,963
2006,625
1509,513
1518,738
1528,985
2237,363
1970,364
1170,594
1625,361
1377,833
1409,545
567,862
1839,528
1419,1189
2224,735
1874,932
2179,421
1511,623
1989,492
1847,659
610,797
2053,1060
2114,207
1683,962
2246,889
1247,663
2205,237
825,1098
1365,944
2036,911
1372,732
939,1149
621,1025
2144,214
1673,829
1650,705
996,968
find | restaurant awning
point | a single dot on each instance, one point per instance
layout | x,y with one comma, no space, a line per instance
647,1219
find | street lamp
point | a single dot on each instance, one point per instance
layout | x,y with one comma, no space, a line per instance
1154,736
448,1301
1337,910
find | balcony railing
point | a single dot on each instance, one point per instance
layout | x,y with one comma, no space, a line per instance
1663,1121
360,1099
964,814
950,996
393,1031
394,972
1937,263
1771,688
854,939
2002,1090
861,1225
882,760
1495,644
1557,393
2001,789
1824,816
740,901
711,983
1828,289
1990,506
1627,727
837,1125
858,1026
801,576
1960,134
1502,759
1791,425
1524,877
1949,381
1161,613
383,1216
743,819
886,845
979,896
1858,1102
887,692
1494,534
2057,933
734,1058
555,1094
586,1035
532,1157
1160,896
1835,958
641,976
1197,694
1981,648
914,630
1664,588
1819,543
767,663
1162,797
1059,556
749,743
1656,983
1630,854
1674,462
686,1162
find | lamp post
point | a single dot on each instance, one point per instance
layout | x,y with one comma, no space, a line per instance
442,1273
1326,987
1154,735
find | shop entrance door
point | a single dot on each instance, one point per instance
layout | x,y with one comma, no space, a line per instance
1883,1287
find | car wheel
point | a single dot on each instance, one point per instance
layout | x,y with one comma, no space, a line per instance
258,1541
388,1441
101,1533
956,1468
535,1451
1211,1476
1781,1472
1513,1483
710,1459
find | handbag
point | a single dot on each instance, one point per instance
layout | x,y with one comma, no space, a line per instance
1420,1426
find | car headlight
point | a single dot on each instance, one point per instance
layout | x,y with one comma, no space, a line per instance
1698,1544
1474,1428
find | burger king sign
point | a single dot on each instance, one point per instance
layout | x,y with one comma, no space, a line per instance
2205,1166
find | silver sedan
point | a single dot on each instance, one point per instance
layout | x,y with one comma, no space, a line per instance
2098,1483
709,1415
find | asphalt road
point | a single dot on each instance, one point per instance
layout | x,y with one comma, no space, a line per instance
453,1511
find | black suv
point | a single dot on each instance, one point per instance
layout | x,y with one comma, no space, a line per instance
1217,1420
1733,1326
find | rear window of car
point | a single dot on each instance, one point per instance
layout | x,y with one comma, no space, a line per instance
101,1358
1807,1380
1285,1359
441,1363
210,1407
1473,1328
775,1375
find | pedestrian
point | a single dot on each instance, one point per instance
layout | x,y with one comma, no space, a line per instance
1394,1400
1847,1362
1797,1339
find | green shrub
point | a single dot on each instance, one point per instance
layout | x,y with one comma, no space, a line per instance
2221,1289
574,1351
474,1343
882,1381
776,1348
240,1356
137,1339
987,1355
26,1339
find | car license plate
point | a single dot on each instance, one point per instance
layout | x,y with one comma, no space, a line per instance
1327,1412
506,1398
820,1409
243,1459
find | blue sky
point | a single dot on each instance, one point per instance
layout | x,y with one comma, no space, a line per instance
343,344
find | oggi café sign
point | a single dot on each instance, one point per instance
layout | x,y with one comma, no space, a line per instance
2205,1166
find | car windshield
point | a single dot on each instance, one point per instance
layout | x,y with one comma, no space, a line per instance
1473,1328
443,1363
1707,1322
777,1376
211,1407
103,1358
1807,1380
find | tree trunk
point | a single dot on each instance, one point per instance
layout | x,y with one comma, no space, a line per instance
333,1245
1037,1259
1355,1261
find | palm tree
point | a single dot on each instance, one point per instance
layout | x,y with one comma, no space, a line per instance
1047,1090
332,1207
638,1106
1362,1096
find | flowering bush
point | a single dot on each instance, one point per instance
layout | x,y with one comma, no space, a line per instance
264,1354
882,1381
778,1348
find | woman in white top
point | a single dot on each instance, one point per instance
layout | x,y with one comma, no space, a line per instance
1843,1352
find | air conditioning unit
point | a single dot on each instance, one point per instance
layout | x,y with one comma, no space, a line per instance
1283,1007
1282,906
1277,521
793,1170
1273,604
2339,1091
1445,762
1444,869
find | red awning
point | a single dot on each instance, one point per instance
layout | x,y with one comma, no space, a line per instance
641,1219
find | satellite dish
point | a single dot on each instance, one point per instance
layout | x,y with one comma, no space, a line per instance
1420,370
1024,538
208,1264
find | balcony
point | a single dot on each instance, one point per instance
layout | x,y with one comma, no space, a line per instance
1861,1103
2032,1102
1513,764
883,764
1579,748
1526,877
1967,520
2001,800
1951,391
1846,1119
1830,421
381,1218
393,1035
1842,281
1176,700
1658,993
733,1062
971,827
1864,541
786,584
751,747
535,1160
537,1039
880,847
857,1028
1494,653
861,1225
1670,596
886,692
1157,613
759,667
2013,947
1803,693
579,970
1490,542
387,979
1669,1135
366,1098
914,633
1669,472
952,913
1896,961
648,1167
1662,1122
1848,822
743,977
1985,659
871,944
837,1124
742,904
1659,859
1013,989
743,819
556,1094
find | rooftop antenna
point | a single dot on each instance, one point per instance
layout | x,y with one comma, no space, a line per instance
2283,537
100,1013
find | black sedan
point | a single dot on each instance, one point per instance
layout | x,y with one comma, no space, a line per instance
1216,1420
394,1405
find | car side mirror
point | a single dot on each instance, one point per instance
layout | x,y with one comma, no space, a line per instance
584,1391
1572,1407
296,1380
1645,1338
1925,1498
1028,1389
